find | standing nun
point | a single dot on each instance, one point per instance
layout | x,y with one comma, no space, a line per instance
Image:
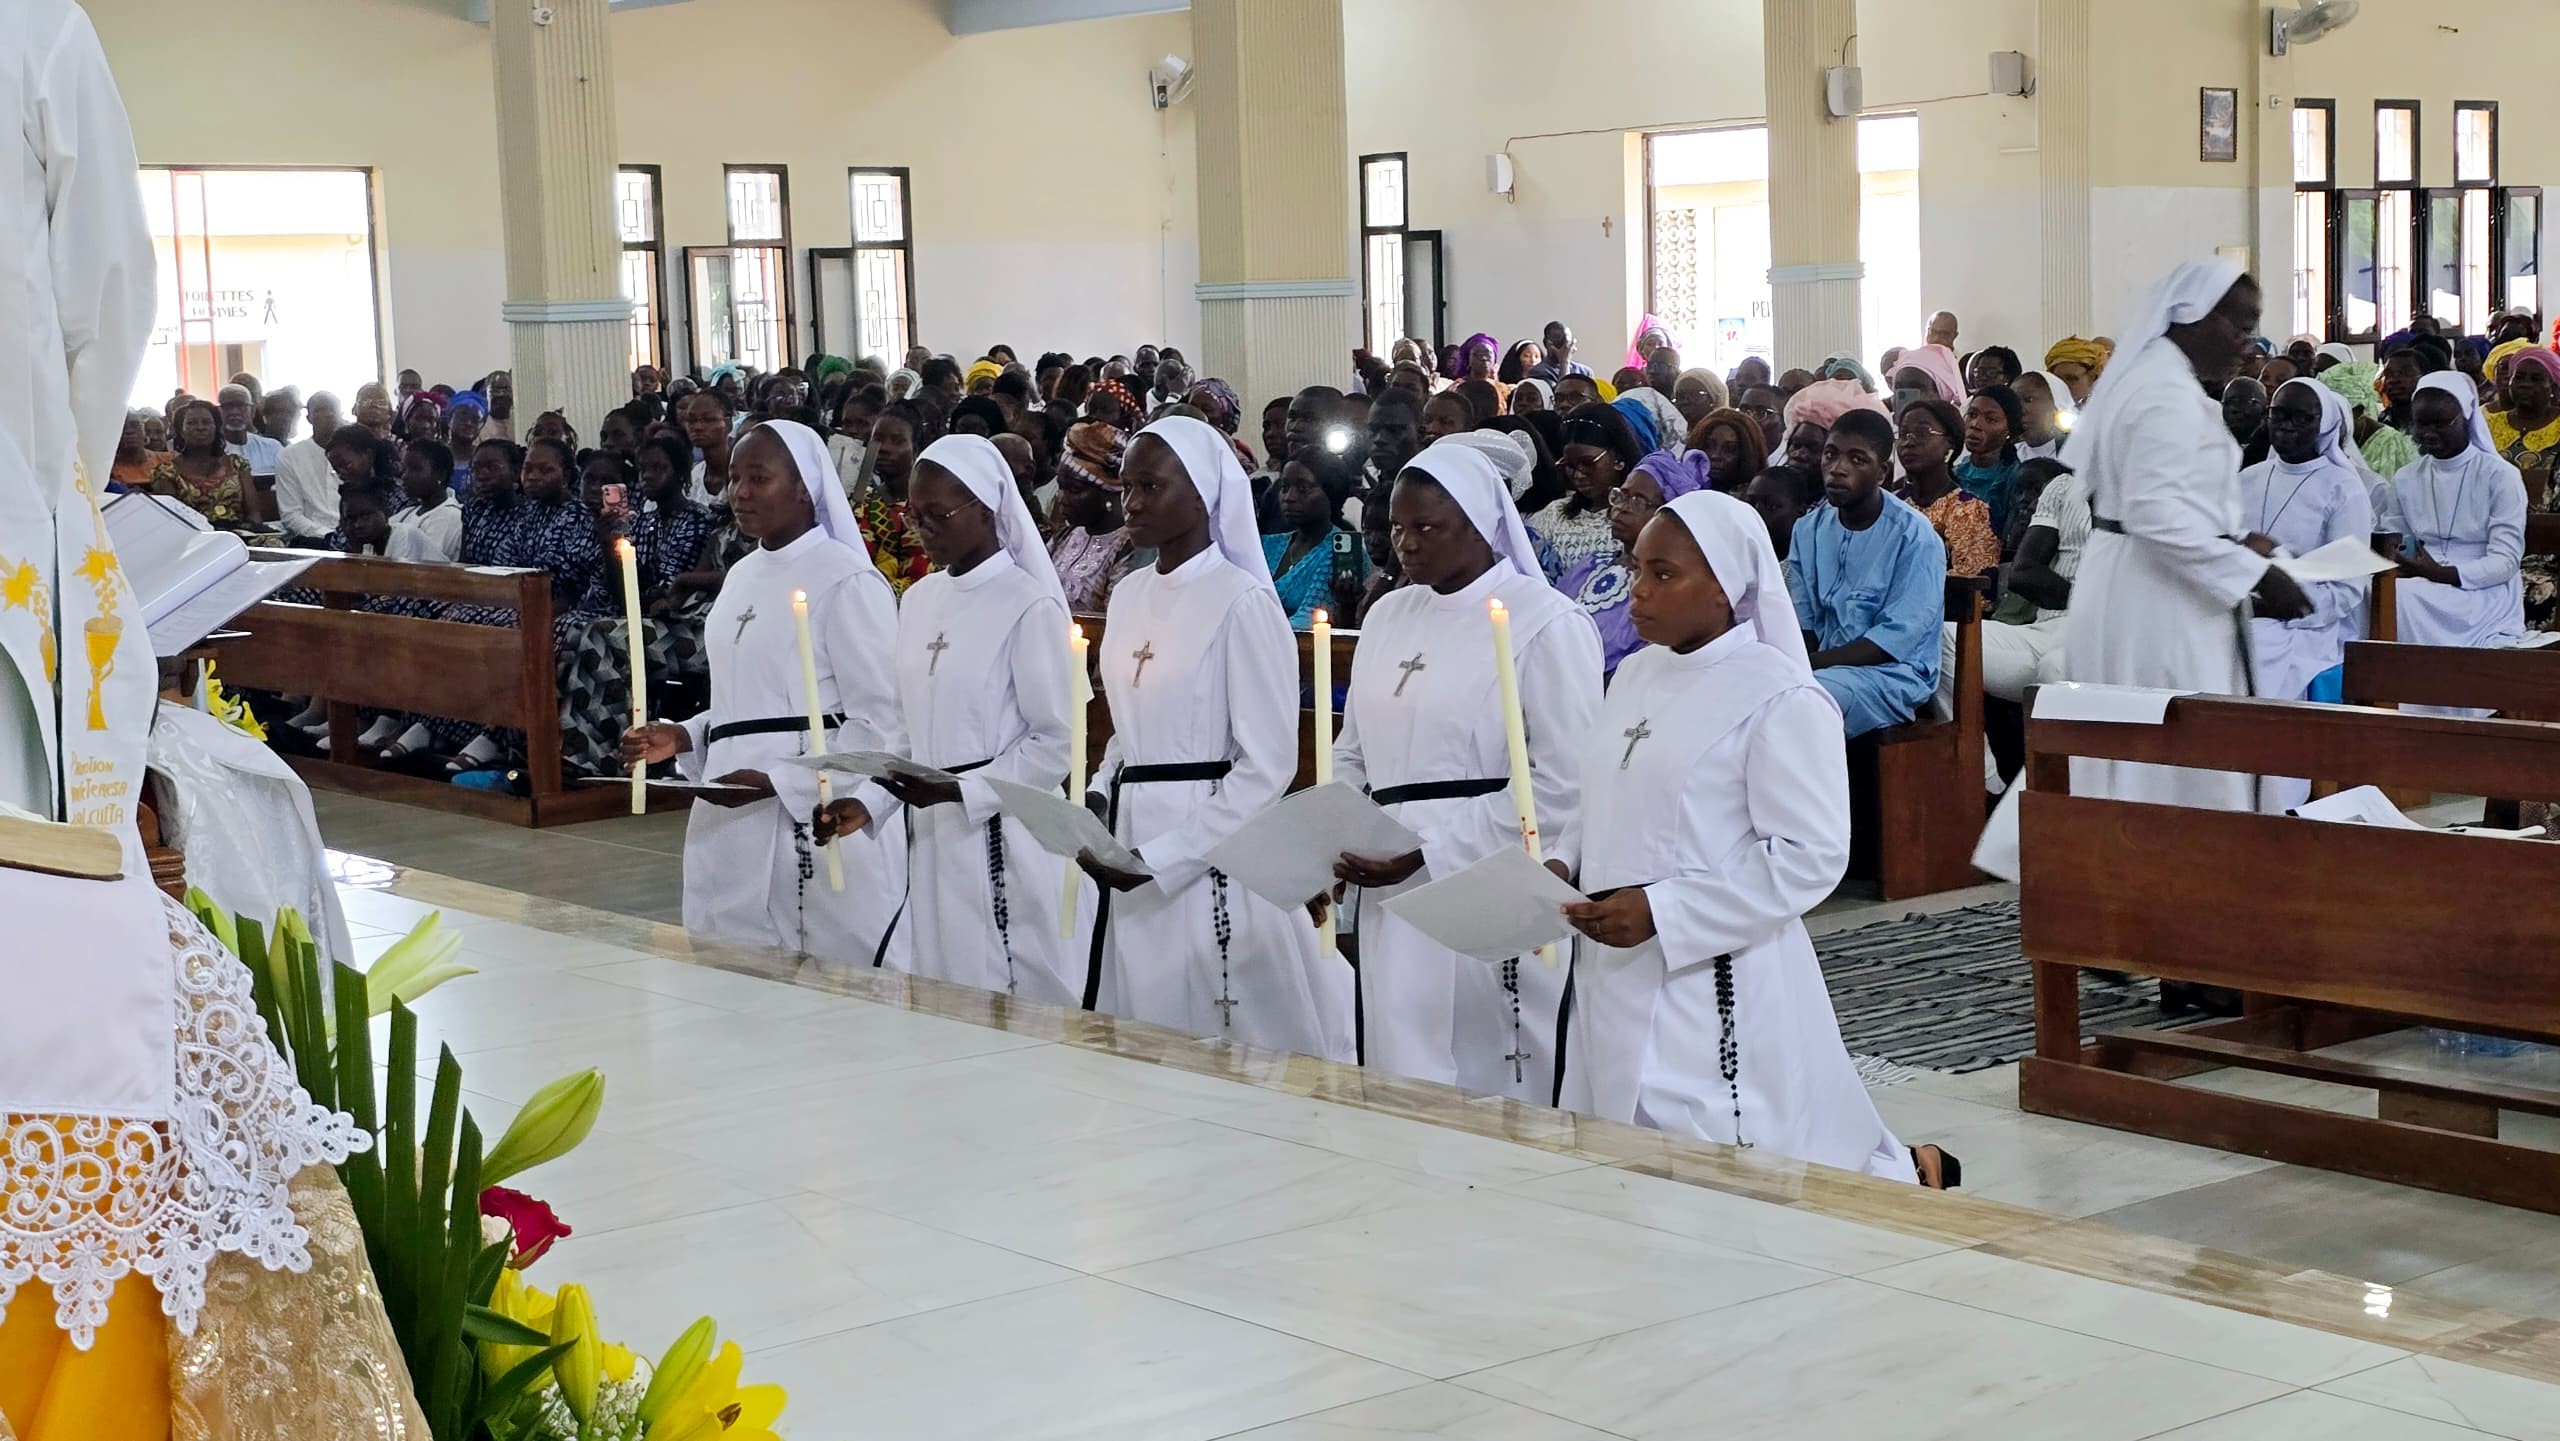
1423,730
1202,674
1715,814
751,867
982,897
2462,519
2305,494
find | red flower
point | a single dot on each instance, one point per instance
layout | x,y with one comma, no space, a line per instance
534,1223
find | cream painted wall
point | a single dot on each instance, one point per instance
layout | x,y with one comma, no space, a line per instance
1053,206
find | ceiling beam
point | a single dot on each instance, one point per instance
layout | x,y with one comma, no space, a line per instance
976,17
477,11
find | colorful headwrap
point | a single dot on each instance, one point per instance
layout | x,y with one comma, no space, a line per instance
1093,452
725,370
1676,474
1224,406
2540,359
1841,365
1129,406
1652,322
830,365
1608,390
982,370
2502,352
2072,350
470,400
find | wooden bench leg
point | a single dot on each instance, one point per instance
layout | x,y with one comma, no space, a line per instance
1929,814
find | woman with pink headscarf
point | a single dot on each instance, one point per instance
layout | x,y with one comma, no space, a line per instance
1924,368
1649,327
1810,413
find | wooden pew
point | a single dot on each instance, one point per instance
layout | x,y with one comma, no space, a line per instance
1926,811
2334,930
498,676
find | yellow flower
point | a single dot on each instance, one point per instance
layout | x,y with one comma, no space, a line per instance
516,1301
581,1367
619,1363
717,1408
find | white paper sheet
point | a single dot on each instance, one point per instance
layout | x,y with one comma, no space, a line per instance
2115,704
192,580
876,765
1503,906
1286,854
1064,828
2349,557
2535,640
2368,806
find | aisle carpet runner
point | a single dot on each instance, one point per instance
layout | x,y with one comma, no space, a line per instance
1951,993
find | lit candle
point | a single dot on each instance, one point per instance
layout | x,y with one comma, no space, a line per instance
1080,694
817,723
1323,659
1515,735
639,668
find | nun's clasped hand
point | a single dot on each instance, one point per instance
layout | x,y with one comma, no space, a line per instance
1622,919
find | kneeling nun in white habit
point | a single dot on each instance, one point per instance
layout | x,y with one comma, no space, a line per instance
752,869
984,692
1423,730
2462,509
1715,813
1202,674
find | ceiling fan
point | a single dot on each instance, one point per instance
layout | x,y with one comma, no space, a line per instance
2310,21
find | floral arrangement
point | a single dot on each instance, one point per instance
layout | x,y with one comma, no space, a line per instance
491,1358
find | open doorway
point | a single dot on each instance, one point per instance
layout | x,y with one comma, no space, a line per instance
1708,245
265,271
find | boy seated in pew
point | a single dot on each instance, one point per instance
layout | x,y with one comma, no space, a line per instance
1868,575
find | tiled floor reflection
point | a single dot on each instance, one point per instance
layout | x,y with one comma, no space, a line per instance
933,1213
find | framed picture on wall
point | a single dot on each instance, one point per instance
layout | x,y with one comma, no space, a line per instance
2217,124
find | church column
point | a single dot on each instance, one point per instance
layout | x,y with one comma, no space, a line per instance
566,318
1813,183
1279,300
2062,164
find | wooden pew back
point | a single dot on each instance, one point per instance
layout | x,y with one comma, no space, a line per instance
2519,684
2415,924
358,661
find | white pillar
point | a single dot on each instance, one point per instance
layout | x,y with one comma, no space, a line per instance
2062,165
1279,301
1814,267
565,313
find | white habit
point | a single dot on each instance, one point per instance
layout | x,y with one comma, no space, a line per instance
2468,512
1718,782
244,821
2303,507
2159,603
750,872
984,685
1201,669
1425,708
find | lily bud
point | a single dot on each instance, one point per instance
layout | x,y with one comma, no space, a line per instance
418,963
581,1367
675,1372
550,1126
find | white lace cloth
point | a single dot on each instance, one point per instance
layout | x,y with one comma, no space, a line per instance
89,1200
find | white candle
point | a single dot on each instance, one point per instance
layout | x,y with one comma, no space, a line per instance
639,668
817,723
1515,735
1322,647
1080,696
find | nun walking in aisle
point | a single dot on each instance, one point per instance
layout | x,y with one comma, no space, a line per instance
1423,730
1201,671
1715,813
984,692
752,870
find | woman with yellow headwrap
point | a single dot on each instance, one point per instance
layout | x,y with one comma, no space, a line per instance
982,377
2077,363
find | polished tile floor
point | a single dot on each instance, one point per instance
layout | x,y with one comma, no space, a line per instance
935,1214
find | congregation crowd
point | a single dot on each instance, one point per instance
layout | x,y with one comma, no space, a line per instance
976,508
